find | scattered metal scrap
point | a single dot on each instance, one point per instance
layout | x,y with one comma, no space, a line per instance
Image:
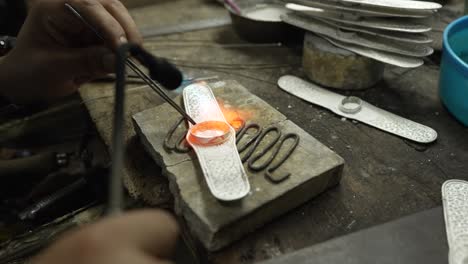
180,145
249,146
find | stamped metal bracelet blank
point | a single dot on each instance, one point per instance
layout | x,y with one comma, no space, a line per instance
455,204
399,25
214,142
361,10
357,109
393,4
384,34
372,42
383,56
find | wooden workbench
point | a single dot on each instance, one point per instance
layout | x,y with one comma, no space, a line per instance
385,177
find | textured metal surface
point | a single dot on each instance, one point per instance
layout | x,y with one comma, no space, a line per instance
369,114
393,4
391,35
383,56
373,42
364,10
250,142
398,25
221,164
455,202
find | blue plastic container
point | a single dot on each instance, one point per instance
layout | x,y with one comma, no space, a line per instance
453,83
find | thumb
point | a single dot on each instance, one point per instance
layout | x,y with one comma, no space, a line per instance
90,62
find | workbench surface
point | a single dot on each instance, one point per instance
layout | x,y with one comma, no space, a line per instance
385,177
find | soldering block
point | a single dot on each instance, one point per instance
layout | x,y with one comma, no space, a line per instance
313,167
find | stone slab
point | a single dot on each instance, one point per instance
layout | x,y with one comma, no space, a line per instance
313,168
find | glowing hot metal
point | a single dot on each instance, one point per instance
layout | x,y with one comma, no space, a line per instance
209,133
214,142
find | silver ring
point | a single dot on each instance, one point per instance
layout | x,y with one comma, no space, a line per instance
351,105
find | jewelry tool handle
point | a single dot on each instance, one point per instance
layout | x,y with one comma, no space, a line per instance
115,182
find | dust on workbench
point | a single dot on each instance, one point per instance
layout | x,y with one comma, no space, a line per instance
385,177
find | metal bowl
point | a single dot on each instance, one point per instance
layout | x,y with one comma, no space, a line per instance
260,21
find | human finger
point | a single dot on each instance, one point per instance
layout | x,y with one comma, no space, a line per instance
98,16
120,13
127,255
86,62
154,232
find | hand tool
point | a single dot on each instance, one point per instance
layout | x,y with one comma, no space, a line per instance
31,212
38,165
152,83
172,78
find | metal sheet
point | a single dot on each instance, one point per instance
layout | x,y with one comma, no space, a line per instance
455,203
220,163
373,42
399,25
362,111
363,10
386,57
396,36
392,4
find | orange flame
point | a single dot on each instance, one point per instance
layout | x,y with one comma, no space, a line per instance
235,117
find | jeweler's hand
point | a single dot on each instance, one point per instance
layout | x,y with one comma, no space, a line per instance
145,237
55,52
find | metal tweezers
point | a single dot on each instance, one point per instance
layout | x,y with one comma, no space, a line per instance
153,84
